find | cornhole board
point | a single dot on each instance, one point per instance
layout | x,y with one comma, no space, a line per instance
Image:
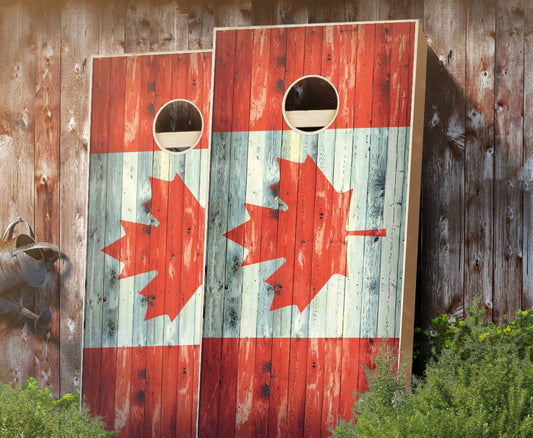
145,242
312,231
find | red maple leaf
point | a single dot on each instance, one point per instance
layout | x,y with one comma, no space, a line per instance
310,234
174,248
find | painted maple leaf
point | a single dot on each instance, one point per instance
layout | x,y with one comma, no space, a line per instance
174,248
310,234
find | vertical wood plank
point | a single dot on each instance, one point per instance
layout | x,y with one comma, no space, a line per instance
326,12
443,170
76,72
201,23
363,10
233,13
263,12
479,152
292,12
47,217
168,25
292,142
508,158
137,27
111,16
17,170
527,289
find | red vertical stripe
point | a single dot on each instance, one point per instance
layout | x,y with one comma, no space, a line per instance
210,387
400,83
186,389
223,80
100,104
382,75
364,76
116,103
205,60
132,104
347,75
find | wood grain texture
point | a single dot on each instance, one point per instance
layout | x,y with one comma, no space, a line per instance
145,248
479,153
201,23
508,158
47,184
272,196
527,288
17,172
168,25
443,167
112,27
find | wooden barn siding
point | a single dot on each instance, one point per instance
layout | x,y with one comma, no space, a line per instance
477,206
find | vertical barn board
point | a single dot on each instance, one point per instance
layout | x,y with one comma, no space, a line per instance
292,11
479,152
233,12
284,277
137,26
47,153
17,171
527,289
327,12
363,10
508,158
201,22
77,18
168,25
145,248
443,179
111,20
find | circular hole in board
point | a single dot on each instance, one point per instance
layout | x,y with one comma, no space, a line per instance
178,126
310,104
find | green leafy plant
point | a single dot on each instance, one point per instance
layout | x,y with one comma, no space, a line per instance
478,384
31,412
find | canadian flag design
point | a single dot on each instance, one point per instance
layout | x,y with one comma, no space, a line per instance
145,261
306,234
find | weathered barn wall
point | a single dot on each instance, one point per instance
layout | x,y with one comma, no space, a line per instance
476,202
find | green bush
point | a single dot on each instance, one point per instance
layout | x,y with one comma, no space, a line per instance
29,412
479,384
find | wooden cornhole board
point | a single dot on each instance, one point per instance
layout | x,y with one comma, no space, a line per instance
312,236
146,225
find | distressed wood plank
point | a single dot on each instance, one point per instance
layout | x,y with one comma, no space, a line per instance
274,81
508,156
233,13
47,185
293,147
237,193
364,10
111,26
292,12
327,12
527,288
169,23
201,23
479,149
137,27
443,246
17,171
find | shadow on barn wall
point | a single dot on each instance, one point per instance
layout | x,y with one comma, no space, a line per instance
442,207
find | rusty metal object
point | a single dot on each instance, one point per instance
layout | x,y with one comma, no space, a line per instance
23,263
